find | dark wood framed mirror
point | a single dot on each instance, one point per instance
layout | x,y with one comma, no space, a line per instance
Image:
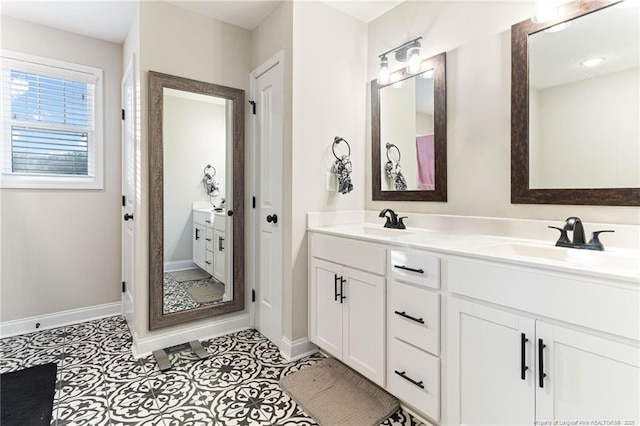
574,107
196,200
409,134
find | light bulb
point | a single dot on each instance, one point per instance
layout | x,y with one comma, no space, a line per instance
545,12
383,74
414,61
593,62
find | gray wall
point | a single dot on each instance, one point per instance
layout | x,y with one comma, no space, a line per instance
61,248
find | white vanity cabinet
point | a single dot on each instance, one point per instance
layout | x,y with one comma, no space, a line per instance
219,244
540,366
203,236
346,302
413,329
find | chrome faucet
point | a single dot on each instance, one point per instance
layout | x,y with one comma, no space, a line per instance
574,224
393,221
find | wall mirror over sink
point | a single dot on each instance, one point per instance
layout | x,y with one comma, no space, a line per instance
574,106
196,229
409,134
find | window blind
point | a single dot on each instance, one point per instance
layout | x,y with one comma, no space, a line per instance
48,118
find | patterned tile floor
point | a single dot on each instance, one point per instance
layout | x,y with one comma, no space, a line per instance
176,297
100,383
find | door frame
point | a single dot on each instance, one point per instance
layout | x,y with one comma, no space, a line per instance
131,115
277,59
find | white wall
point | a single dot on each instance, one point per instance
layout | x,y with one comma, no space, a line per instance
329,99
194,136
179,42
61,248
476,37
578,144
275,34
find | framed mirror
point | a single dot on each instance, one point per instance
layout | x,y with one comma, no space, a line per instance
574,107
409,135
196,200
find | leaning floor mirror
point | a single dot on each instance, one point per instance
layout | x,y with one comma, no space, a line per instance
196,229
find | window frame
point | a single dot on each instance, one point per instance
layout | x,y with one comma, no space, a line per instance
42,181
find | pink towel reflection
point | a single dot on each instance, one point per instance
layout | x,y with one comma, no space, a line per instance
426,162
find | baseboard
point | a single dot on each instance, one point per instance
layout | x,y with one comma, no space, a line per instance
58,319
299,348
179,265
144,347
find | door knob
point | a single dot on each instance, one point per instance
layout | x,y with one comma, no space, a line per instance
272,218
128,216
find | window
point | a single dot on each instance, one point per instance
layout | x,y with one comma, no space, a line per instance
51,124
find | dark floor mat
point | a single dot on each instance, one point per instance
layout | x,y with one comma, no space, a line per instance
26,396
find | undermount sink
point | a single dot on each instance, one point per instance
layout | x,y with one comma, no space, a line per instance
377,232
580,257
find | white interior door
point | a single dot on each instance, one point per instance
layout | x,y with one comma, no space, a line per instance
128,191
267,95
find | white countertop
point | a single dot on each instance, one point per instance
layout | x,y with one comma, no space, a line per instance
615,264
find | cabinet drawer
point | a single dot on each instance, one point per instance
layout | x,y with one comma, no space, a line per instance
208,237
414,316
202,217
363,256
422,368
219,222
415,267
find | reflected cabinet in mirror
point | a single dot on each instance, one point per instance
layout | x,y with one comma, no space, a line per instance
574,107
196,229
409,135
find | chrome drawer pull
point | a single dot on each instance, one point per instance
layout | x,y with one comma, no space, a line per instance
403,314
406,268
409,379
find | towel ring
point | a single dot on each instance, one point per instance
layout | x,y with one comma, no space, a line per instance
336,141
389,146
207,171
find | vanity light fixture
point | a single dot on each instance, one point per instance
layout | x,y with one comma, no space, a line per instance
545,11
383,75
557,28
592,62
428,74
409,51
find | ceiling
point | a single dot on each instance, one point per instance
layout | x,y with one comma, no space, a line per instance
110,19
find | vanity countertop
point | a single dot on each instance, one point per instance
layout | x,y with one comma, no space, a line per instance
615,264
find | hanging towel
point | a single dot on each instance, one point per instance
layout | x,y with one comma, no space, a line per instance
426,162
342,169
394,173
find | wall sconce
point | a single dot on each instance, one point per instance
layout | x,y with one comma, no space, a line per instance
407,52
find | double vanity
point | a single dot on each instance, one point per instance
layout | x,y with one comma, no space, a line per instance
479,327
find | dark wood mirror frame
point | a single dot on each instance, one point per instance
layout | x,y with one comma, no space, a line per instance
520,191
157,82
438,63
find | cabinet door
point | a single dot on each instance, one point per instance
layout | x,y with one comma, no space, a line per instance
364,332
489,359
199,245
587,377
219,259
325,306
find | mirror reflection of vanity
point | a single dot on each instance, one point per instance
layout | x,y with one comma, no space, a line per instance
196,199
575,106
409,135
